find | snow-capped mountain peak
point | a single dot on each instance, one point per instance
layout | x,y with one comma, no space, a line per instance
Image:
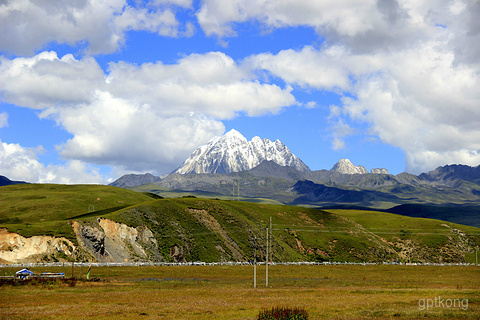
345,166
232,152
234,134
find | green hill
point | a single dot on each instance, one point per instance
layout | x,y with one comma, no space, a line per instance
204,228
46,209
113,224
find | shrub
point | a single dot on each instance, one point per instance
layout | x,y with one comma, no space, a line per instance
283,313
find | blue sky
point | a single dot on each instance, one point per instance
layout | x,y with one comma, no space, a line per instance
91,91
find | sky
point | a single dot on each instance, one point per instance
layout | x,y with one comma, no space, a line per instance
91,90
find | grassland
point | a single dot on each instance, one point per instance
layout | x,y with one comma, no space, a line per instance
46,209
213,230
226,292
301,233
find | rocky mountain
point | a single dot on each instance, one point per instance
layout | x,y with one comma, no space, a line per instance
262,170
451,174
453,183
379,171
234,153
345,166
133,180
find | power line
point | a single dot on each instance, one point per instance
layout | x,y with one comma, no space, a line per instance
374,232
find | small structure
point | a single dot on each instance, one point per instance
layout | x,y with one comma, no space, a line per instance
23,274
54,275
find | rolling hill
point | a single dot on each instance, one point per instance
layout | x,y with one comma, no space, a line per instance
101,223
46,209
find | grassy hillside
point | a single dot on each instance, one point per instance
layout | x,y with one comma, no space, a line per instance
192,229
214,230
46,209
417,237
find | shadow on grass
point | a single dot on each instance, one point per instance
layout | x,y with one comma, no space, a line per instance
98,213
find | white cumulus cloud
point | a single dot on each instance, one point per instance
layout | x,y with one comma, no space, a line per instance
419,99
409,69
45,80
28,25
142,118
19,163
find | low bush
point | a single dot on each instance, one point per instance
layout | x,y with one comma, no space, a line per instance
283,313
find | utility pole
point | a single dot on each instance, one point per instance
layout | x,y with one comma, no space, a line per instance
266,262
237,182
271,246
476,257
255,262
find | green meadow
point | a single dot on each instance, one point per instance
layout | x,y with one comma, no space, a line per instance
46,209
209,228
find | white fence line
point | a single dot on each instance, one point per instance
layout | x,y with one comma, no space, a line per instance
199,263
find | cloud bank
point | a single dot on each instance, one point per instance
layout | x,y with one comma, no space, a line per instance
28,25
409,69
147,117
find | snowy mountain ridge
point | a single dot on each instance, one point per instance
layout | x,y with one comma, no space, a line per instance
345,166
232,152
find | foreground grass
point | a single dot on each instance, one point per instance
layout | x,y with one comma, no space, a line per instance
226,292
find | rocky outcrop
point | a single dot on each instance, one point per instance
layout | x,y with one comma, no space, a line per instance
107,241
91,240
111,241
15,248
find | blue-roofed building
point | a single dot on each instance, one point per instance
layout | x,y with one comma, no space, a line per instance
23,274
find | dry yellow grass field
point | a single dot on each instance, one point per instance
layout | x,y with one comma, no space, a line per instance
226,292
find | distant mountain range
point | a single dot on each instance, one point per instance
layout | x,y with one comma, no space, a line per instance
232,157
262,169
4,181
